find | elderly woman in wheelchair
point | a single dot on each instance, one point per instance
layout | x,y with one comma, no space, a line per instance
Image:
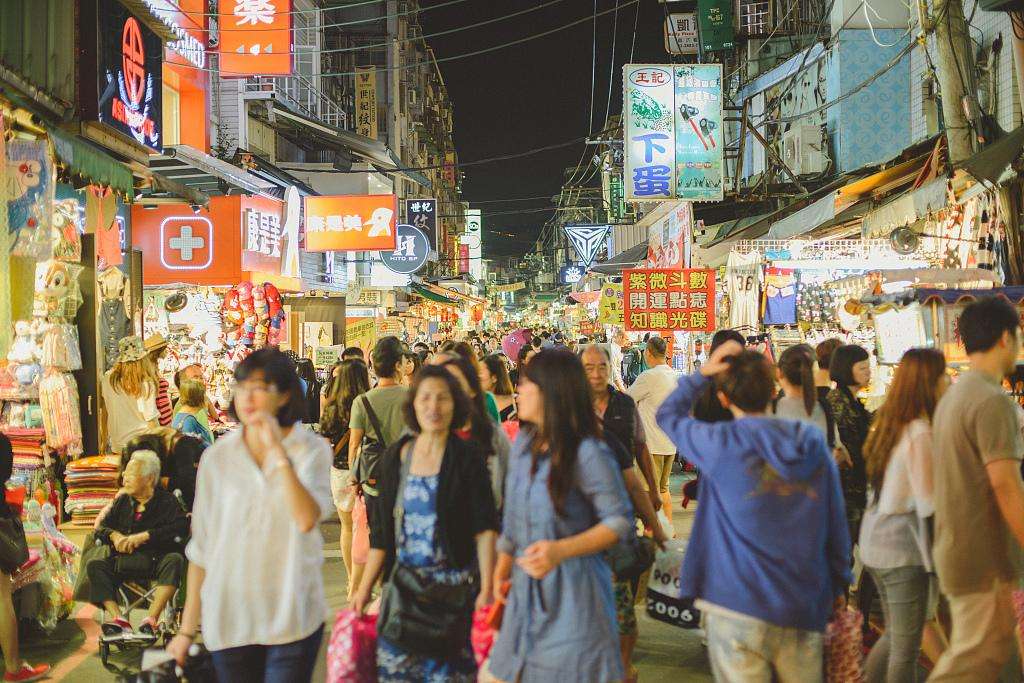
146,530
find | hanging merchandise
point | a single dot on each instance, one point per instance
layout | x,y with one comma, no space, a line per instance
67,240
743,287
57,292
779,296
101,220
60,347
30,190
114,321
58,399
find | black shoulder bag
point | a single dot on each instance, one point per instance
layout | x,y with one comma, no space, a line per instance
417,613
371,452
13,546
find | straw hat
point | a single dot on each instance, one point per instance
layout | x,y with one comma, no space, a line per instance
155,342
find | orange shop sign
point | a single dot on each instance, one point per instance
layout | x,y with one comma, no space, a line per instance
212,246
668,300
351,222
255,37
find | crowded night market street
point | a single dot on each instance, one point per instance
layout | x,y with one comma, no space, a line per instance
535,341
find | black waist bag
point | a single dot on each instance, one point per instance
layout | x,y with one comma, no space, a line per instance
425,617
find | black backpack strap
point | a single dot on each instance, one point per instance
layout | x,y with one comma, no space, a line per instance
830,423
374,421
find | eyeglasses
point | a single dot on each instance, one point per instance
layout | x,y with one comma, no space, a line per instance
253,388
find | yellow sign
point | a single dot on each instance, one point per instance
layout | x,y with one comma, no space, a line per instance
361,332
610,309
366,101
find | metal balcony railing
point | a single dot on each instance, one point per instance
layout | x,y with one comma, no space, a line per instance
301,94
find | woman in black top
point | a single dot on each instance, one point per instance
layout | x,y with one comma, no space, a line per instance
850,369
436,522
16,668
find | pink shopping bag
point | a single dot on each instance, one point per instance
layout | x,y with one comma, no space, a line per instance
481,636
352,650
843,643
360,532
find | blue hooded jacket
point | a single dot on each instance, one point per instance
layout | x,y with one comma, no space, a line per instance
770,538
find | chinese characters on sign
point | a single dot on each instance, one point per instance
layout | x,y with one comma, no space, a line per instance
366,101
681,33
255,37
649,132
350,222
422,214
699,140
609,308
261,238
669,300
673,131
668,240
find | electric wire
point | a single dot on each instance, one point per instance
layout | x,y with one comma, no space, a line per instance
353,22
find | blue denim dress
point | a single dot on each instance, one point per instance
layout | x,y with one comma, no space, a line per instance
561,628
418,547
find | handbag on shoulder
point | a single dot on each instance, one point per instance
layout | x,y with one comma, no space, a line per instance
13,546
371,452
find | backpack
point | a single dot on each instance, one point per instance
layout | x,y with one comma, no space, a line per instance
632,365
371,453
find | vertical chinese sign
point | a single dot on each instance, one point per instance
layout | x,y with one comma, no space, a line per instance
660,300
609,307
673,132
699,140
255,37
366,101
422,214
649,131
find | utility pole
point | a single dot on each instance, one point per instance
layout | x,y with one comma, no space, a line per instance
955,65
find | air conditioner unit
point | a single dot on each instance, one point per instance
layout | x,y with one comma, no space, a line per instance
802,150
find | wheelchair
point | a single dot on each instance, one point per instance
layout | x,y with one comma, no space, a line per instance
137,593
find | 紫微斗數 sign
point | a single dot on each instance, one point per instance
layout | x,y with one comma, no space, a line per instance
673,131
657,299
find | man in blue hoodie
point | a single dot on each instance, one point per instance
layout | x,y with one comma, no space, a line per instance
769,555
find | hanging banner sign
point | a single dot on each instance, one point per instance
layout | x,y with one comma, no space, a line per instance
649,131
351,222
681,33
422,213
473,239
129,78
511,287
609,308
656,299
587,240
366,101
255,37
673,132
668,240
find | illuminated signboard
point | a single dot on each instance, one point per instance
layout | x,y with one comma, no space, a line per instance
129,81
185,45
255,37
351,222
186,243
410,253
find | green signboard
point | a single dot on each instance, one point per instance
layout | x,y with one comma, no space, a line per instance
698,132
714,22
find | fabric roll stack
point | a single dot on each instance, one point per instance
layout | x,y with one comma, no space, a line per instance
91,483
27,445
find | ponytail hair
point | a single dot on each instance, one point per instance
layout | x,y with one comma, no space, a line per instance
796,365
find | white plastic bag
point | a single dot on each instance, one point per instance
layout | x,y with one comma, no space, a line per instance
663,601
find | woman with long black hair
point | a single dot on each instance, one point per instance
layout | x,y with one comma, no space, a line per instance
566,504
851,371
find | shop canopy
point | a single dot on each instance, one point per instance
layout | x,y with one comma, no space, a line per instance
989,165
205,173
626,259
906,209
90,163
433,296
821,214
1015,295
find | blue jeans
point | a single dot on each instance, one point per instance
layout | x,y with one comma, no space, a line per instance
904,593
747,650
288,663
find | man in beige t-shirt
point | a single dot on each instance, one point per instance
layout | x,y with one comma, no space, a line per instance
979,497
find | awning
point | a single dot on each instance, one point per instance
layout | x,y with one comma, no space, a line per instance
951,296
263,169
205,173
991,163
87,161
720,231
821,214
431,296
906,209
374,151
454,294
781,72
622,260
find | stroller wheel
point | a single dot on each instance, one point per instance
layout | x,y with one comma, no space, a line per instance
104,652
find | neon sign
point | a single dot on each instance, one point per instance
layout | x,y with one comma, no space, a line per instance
183,240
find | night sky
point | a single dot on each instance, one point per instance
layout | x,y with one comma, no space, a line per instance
531,95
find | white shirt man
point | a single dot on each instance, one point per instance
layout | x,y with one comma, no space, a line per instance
649,390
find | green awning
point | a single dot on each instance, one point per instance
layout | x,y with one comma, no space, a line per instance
83,159
431,296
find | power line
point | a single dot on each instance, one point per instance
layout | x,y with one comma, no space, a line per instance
437,34
451,58
611,67
335,8
354,22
